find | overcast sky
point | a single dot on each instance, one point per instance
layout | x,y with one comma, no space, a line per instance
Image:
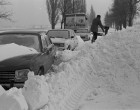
33,12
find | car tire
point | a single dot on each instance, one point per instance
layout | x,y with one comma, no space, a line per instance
41,71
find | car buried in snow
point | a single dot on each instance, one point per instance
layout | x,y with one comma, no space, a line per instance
84,34
64,39
23,51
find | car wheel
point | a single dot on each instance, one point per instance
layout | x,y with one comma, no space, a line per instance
41,71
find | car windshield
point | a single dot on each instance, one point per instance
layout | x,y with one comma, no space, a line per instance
58,34
82,31
28,40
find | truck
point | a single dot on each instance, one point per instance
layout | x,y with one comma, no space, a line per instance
75,21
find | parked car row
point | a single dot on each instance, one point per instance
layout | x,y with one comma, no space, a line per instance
33,50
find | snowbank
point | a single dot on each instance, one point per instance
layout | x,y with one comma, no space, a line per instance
2,90
13,100
36,92
80,41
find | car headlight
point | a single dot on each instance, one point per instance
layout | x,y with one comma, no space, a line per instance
21,74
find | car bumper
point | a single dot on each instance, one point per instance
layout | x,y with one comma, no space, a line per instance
8,86
12,83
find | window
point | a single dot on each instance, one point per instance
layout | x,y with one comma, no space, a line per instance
28,40
58,34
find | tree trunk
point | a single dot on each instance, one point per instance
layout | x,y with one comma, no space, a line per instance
53,25
61,25
124,23
130,22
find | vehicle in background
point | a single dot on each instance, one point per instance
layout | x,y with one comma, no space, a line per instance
75,21
23,51
63,38
84,34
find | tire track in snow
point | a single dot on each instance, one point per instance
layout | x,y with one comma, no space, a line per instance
71,102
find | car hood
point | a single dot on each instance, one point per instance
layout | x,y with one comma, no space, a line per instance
13,50
59,40
14,58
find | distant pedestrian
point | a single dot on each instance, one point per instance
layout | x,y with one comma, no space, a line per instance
94,27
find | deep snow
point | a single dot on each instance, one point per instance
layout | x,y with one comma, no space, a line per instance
104,75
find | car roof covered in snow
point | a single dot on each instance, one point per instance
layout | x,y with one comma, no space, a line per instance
30,31
62,29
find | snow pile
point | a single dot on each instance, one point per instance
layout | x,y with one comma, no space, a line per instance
80,41
69,78
112,63
1,90
36,91
116,60
67,55
13,100
13,50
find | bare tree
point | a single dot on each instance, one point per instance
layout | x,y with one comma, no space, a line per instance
79,6
107,20
5,14
65,7
122,13
53,11
132,10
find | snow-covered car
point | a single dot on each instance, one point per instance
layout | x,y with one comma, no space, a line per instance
23,51
63,38
84,34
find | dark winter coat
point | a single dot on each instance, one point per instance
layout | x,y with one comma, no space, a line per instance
95,23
